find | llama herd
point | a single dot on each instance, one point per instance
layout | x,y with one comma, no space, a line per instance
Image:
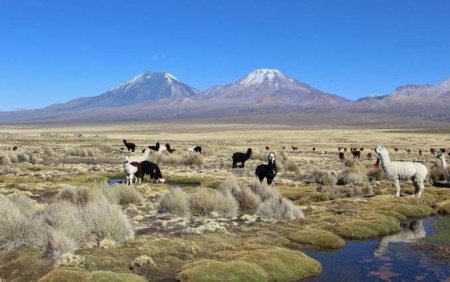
395,171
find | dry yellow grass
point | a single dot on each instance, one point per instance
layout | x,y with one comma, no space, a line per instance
300,175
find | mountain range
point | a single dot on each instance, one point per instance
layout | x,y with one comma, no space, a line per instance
159,95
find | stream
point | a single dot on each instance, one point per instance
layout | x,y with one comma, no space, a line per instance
390,258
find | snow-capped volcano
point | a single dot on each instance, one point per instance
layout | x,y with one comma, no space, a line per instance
145,87
262,84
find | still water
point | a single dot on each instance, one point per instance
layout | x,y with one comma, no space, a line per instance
390,258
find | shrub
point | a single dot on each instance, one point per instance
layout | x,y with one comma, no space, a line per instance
355,173
4,159
108,221
290,165
13,157
436,171
176,202
77,196
23,158
117,194
48,151
247,199
58,244
67,219
323,178
195,159
273,205
279,208
206,200
9,170
14,225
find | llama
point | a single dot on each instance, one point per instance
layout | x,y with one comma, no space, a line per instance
14,148
369,155
377,163
442,150
153,170
396,149
294,148
408,150
239,157
130,146
395,171
196,149
170,150
433,151
341,156
420,152
267,148
441,157
268,170
154,148
131,169
356,154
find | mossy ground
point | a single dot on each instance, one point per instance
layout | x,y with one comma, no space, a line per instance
269,250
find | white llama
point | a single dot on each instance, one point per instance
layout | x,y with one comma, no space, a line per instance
441,156
397,171
130,171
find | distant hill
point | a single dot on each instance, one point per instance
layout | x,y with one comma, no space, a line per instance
258,95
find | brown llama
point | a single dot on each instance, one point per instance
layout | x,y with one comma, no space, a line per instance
341,156
433,151
294,148
396,149
420,152
356,154
369,155
377,163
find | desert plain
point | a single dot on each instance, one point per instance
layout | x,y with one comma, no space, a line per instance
63,220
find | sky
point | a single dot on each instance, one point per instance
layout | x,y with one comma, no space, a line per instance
52,51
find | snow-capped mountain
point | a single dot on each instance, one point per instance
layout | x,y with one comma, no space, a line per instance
146,87
272,87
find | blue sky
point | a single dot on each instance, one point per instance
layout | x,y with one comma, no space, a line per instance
54,51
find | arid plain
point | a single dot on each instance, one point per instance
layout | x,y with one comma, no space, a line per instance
316,201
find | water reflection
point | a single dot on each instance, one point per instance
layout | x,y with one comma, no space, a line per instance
386,259
411,232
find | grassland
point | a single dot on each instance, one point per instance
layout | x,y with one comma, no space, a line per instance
205,246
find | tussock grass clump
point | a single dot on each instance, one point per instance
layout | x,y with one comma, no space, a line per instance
23,158
291,165
195,159
117,194
79,152
67,219
262,156
108,221
77,196
4,159
58,244
48,152
14,225
436,171
9,170
323,177
376,174
273,205
13,157
247,199
204,201
176,202
354,173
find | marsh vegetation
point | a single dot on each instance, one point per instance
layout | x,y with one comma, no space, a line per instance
58,210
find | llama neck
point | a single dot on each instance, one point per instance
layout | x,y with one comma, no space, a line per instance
444,163
145,156
385,160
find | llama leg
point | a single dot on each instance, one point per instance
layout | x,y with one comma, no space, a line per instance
397,188
416,188
242,165
269,180
234,165
421,188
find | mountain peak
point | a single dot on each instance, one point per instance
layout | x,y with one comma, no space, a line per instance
259,76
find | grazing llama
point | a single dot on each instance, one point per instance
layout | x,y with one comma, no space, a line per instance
441,156
130,146
397,171
153,170
239,157
170,150
196,149
268,170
